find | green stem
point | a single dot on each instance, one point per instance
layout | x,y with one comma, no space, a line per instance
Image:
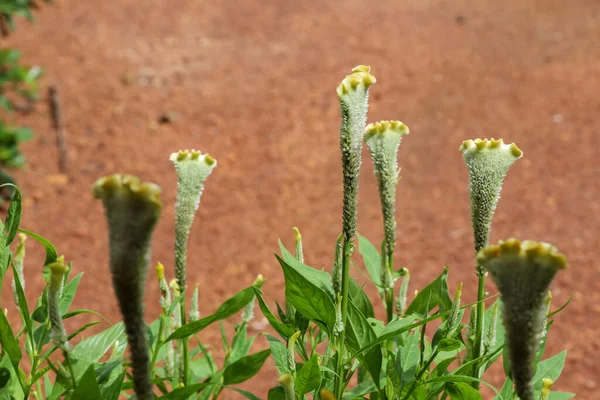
389,292
184,341
418,378
477,349
342,337
70,367
159,342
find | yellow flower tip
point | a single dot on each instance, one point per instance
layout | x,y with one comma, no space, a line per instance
6,312
286,379
549,296
174,287
386,127
361,75
160,271
483,144
297,232
547,382
127,186
209,160
258,282
327,395
22,238
536,253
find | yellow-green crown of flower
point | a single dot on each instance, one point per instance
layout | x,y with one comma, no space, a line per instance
127,187
528,254
183,155
361,75
383,127
488,144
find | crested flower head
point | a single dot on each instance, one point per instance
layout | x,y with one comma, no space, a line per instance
522,271
488,162
192,169
353,93
383,139
132,210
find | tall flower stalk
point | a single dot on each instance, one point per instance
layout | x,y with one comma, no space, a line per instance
488,161
132,210
192,169
353,94
383,140
522,271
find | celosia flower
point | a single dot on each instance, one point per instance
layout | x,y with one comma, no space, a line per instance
192,170
383,139
353,94
488,162
132,210
58,334
522,271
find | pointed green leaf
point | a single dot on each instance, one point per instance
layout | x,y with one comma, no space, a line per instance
372,260
462,391
434,294
309,377
284,330
360,334
51,253
280,354
87,387
244,368
68,293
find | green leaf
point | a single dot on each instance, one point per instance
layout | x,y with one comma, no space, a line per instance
310,292
24,310
91,349
360,299
113,391
244,368
276,393
280,353
506,393
183,393
9,343
449,345
309,376
13,216
68,293
462,391
372,260
550,368
4,377
51,253
11,390
561,396
360,390
244,393
227,309
284,330
87,387
360,334
407,359
434,294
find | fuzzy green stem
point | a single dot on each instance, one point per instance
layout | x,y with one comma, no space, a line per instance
342,336
184,343
478,348
389,292
70,367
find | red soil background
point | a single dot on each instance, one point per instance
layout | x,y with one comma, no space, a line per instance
253,83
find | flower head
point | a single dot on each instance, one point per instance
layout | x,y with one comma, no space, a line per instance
488,162
58,269
383,139
132,210
522,271
353,93
192,169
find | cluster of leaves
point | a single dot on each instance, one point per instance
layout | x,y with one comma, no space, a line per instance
96,367
394,361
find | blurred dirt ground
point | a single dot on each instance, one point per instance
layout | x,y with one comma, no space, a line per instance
253,83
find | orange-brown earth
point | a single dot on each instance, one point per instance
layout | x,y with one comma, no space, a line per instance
253,84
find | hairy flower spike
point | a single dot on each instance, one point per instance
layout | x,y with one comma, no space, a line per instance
353,94
287,381
192,170
336,272
19,263
132,210
58,270
490,336
383,139
488,162
455,315
194,312
402,294
291,360
165,299
522,271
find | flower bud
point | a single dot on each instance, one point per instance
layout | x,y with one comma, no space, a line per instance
132,210
383,139
165,299
287,381
192,170
547,384
353,93
488,162
194,312
299,248
402,294
522,271
57,329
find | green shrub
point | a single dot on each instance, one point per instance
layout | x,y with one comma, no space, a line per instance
330,344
